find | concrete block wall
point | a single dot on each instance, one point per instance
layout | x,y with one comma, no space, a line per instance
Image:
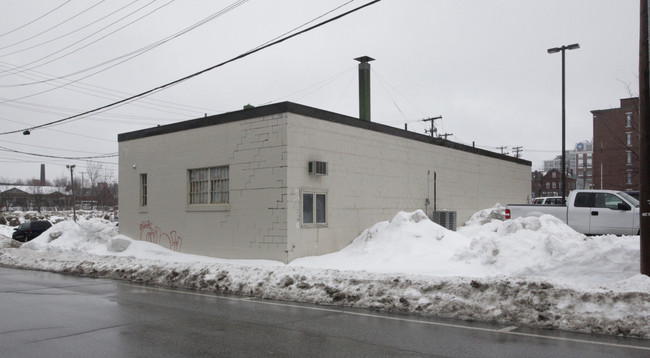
254,222
374,175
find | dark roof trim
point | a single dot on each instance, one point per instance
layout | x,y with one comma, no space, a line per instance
299,109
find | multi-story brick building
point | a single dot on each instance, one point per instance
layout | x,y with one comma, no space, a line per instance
616,146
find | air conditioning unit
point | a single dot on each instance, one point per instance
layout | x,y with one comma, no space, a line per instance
446,219
317,168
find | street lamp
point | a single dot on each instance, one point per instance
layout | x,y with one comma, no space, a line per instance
563,183
74,210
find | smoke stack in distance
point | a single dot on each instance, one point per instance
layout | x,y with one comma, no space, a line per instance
42,174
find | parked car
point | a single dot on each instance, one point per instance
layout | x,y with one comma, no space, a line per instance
30,229
547,200
592,212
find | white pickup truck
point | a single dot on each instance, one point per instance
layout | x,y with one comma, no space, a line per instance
591,212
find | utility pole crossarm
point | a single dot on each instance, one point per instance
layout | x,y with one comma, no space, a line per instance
433,129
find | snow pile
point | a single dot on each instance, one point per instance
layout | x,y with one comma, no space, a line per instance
528,271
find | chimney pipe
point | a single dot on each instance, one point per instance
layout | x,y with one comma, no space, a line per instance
364,87
42,174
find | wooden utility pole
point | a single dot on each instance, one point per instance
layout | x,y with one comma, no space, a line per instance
433,131
644,114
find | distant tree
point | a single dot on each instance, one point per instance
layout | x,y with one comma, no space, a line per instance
61,181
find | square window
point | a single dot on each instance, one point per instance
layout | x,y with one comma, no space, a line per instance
209,186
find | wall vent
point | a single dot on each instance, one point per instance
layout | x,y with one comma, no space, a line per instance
317,168
446,219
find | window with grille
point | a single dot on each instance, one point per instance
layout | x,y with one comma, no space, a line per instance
143,190
209,186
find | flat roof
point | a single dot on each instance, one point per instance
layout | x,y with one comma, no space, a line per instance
290,107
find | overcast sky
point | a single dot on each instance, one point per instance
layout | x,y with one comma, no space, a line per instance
481,65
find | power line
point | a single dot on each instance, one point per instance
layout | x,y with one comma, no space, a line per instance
36,19
175,82
23,68
48,30
133,54
4,149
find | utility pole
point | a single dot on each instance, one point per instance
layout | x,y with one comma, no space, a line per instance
502,149
445,135
433,129
517,151
644,114
74,199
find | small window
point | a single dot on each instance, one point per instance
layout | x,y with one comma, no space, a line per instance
629,158
209,186
628,177
629,139
548,185
143,190
554,175
554,185
628,119
314,208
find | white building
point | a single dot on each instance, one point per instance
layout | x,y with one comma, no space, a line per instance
578,164
284,181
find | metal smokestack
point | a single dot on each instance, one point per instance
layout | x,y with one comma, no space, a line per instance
364,87
42,174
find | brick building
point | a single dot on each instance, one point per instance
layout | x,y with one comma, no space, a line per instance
616,146
550,183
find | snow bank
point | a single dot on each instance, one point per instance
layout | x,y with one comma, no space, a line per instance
528,271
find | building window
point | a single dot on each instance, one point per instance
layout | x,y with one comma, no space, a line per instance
143,189
629,158
314,208
628,119
554,185
554,175
629,138
589,162
629,177
548,185
209,186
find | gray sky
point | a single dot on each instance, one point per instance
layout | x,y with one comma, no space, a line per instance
481,65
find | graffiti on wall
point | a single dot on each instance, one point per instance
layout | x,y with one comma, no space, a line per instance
151,233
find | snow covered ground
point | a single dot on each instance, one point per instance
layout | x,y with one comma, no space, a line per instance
529,271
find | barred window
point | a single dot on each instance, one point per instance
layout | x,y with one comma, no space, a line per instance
143,189
209,186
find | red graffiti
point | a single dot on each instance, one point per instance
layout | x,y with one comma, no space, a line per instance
154,234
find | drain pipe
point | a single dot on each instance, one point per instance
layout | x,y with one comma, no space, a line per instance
364,87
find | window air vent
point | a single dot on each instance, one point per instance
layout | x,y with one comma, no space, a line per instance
317,168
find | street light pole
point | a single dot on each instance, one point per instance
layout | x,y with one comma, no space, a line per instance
74,210
563,183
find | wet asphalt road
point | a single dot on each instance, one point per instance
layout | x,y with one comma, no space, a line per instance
51,315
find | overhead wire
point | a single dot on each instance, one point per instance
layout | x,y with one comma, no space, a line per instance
35,20
25,68
47,30
138,52
180,80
